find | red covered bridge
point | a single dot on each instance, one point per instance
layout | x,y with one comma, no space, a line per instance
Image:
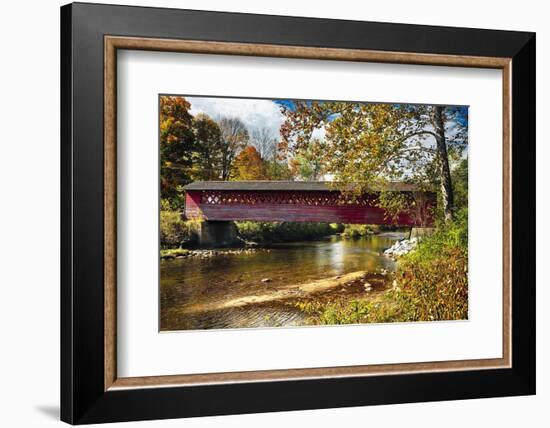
301,201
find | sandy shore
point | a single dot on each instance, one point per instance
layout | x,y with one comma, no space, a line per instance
284,293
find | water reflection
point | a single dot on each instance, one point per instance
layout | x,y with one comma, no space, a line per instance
210,281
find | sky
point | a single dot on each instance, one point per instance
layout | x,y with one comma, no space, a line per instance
260,113
254,113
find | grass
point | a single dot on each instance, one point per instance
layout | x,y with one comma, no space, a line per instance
174,252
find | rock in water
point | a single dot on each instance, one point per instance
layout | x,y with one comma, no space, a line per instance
402,247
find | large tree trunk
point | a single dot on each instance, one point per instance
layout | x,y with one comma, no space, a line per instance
447,196
225,165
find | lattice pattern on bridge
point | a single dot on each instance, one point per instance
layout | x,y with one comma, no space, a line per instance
301,202
212,197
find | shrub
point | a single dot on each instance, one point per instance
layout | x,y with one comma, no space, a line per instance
354,312
174,230
459,178
359,230
434,290
433,280
445,237
263,232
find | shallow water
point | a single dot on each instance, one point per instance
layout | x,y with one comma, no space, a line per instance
195,283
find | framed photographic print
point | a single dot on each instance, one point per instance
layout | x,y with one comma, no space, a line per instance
265,213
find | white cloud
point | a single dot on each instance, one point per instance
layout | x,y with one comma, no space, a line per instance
253,113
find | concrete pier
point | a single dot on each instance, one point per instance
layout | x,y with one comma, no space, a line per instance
218,234
418,232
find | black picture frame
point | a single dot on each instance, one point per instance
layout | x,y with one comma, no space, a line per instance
83,396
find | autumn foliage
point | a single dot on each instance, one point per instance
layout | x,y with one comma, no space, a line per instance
249,165
177,144
430,284
370,143
198,147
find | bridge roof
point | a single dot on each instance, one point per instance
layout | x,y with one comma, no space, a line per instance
302,186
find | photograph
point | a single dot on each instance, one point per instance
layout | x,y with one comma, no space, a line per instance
294,212
240,214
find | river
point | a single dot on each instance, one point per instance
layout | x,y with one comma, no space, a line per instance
260,289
